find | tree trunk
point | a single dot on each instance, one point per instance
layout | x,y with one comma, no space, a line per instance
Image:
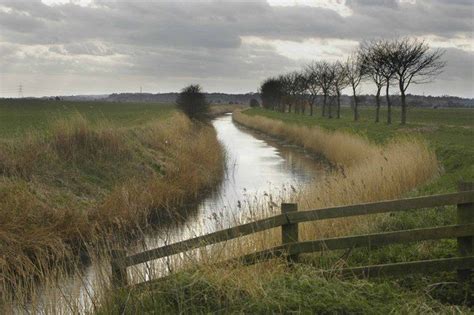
324,105
377,104
330,107
338,105
356,111
404,107
311,108
389,104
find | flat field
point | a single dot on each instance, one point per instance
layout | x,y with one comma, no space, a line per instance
19,116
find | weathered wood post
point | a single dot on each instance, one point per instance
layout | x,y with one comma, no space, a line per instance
119,270
289,231
465,214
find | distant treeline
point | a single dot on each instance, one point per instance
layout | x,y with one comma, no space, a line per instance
213,98
346,100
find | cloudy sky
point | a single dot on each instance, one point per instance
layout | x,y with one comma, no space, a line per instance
68,47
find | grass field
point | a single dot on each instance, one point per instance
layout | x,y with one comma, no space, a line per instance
19,116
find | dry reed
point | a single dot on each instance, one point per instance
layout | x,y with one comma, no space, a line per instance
82,184
363,172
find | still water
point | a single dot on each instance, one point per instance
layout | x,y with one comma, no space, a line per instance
260,172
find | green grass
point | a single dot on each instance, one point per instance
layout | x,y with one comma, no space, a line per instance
301,290
450,132
19,116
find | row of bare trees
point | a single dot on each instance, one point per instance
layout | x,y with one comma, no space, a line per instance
400,62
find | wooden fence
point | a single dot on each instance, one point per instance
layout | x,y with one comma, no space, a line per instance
291,247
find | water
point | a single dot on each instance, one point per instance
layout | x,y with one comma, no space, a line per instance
259,170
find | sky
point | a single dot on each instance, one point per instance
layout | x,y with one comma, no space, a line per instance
70,47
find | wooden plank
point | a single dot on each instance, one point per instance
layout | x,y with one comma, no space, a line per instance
303,216
367,240
383,206
424,266
465,214
207,239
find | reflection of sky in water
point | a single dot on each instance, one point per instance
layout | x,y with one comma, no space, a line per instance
258,171
253,167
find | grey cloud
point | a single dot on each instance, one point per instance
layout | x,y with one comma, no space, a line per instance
83,48
361,4
203,39
220,25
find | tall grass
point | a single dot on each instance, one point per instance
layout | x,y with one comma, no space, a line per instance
79,185
362,171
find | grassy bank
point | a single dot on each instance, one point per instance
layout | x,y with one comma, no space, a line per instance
363,171
271,288
403,169
69,183
449,132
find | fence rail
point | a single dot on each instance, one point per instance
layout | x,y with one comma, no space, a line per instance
291,246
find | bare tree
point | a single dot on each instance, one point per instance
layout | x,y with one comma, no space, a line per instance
381,52
340,82
313,89
286,85
414,63
325,78
354,74
289,82
299,88
374,68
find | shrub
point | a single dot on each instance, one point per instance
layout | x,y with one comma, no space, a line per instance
254,103
192,102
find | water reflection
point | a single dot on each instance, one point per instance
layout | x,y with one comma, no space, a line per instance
257,167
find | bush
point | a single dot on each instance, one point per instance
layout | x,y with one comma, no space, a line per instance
192,102
254,103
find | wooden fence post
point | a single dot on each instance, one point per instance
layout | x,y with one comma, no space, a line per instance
465,214
289,232
119,270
